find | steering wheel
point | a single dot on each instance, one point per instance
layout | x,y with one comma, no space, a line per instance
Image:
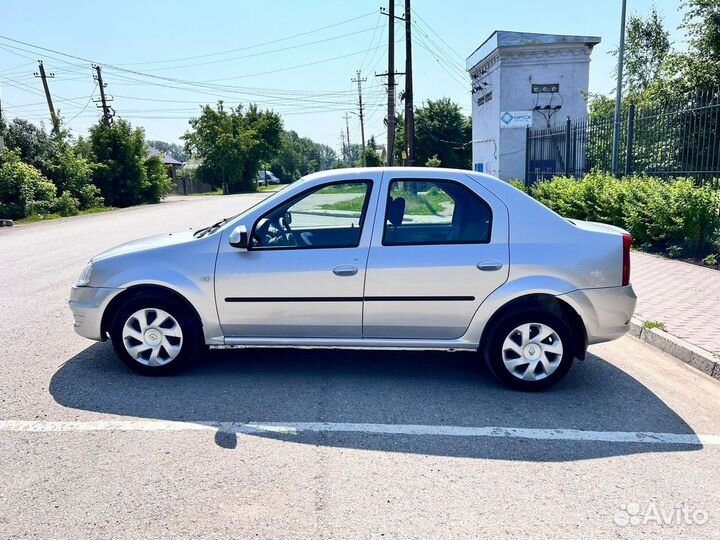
284,225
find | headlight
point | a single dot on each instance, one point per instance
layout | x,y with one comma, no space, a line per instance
85,276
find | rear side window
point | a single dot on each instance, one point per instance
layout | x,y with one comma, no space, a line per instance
435,212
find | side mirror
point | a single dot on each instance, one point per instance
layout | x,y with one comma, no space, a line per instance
239,237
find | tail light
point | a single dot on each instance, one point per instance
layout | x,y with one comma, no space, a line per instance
627,242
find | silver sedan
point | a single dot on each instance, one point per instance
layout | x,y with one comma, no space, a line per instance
393,258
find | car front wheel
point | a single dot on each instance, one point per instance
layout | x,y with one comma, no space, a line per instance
530,351
155,335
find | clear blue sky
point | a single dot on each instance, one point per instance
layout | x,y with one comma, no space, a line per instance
306,78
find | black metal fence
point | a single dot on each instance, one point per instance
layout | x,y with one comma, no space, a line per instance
678,139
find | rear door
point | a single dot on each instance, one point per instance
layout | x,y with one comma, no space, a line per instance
439,248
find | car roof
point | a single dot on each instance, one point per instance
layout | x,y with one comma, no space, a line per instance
422,172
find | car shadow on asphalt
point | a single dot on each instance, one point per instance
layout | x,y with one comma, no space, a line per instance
377,387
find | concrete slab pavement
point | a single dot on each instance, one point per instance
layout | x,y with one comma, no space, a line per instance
683,296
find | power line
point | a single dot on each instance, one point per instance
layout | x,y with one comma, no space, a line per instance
219,53
85,107
462,58
372,41
464,84
201,84
450,62
262,53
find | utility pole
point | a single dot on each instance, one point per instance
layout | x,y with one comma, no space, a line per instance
618,92
108,111
409,110
359,82
347,129
44,76
2,140
390,81
344,150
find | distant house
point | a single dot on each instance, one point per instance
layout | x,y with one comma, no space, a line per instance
170,162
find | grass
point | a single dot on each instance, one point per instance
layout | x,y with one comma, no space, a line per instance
655,324
49,217
349,188
207,193
350,205
429,203
260,189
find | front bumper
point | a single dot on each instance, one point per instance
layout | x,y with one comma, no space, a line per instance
88,305
606,311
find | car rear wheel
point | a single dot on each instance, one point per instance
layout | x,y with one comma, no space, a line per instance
155,335
530,351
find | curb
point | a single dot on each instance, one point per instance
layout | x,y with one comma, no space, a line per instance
686,352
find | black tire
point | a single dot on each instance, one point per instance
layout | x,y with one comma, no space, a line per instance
192,342
501,329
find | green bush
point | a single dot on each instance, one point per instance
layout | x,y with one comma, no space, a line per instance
562,195
519,184
675,216
158,182
72,174
66,205
23,189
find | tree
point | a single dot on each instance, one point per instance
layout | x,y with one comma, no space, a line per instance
441,130
702,22
121,174
172,149
231,145
700,65
647,46
372,158
299,156
353,153
433,162
31,142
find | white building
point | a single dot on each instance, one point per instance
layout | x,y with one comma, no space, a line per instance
521,80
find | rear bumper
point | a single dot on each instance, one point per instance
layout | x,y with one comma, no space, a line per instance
606,312
88,305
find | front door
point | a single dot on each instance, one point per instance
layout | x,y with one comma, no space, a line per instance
304,272
440,250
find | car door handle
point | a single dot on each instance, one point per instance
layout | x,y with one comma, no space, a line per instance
489,266
345,270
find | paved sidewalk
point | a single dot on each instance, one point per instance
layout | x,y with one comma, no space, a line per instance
684,296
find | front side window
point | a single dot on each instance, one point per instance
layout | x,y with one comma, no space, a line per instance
435,212
329,216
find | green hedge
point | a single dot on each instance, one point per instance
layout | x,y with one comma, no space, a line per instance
670,215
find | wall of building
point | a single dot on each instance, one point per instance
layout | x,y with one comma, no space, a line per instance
485,127
509,71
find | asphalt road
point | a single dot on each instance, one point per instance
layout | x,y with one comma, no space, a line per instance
327,444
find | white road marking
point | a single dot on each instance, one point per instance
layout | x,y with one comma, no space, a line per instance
294,428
